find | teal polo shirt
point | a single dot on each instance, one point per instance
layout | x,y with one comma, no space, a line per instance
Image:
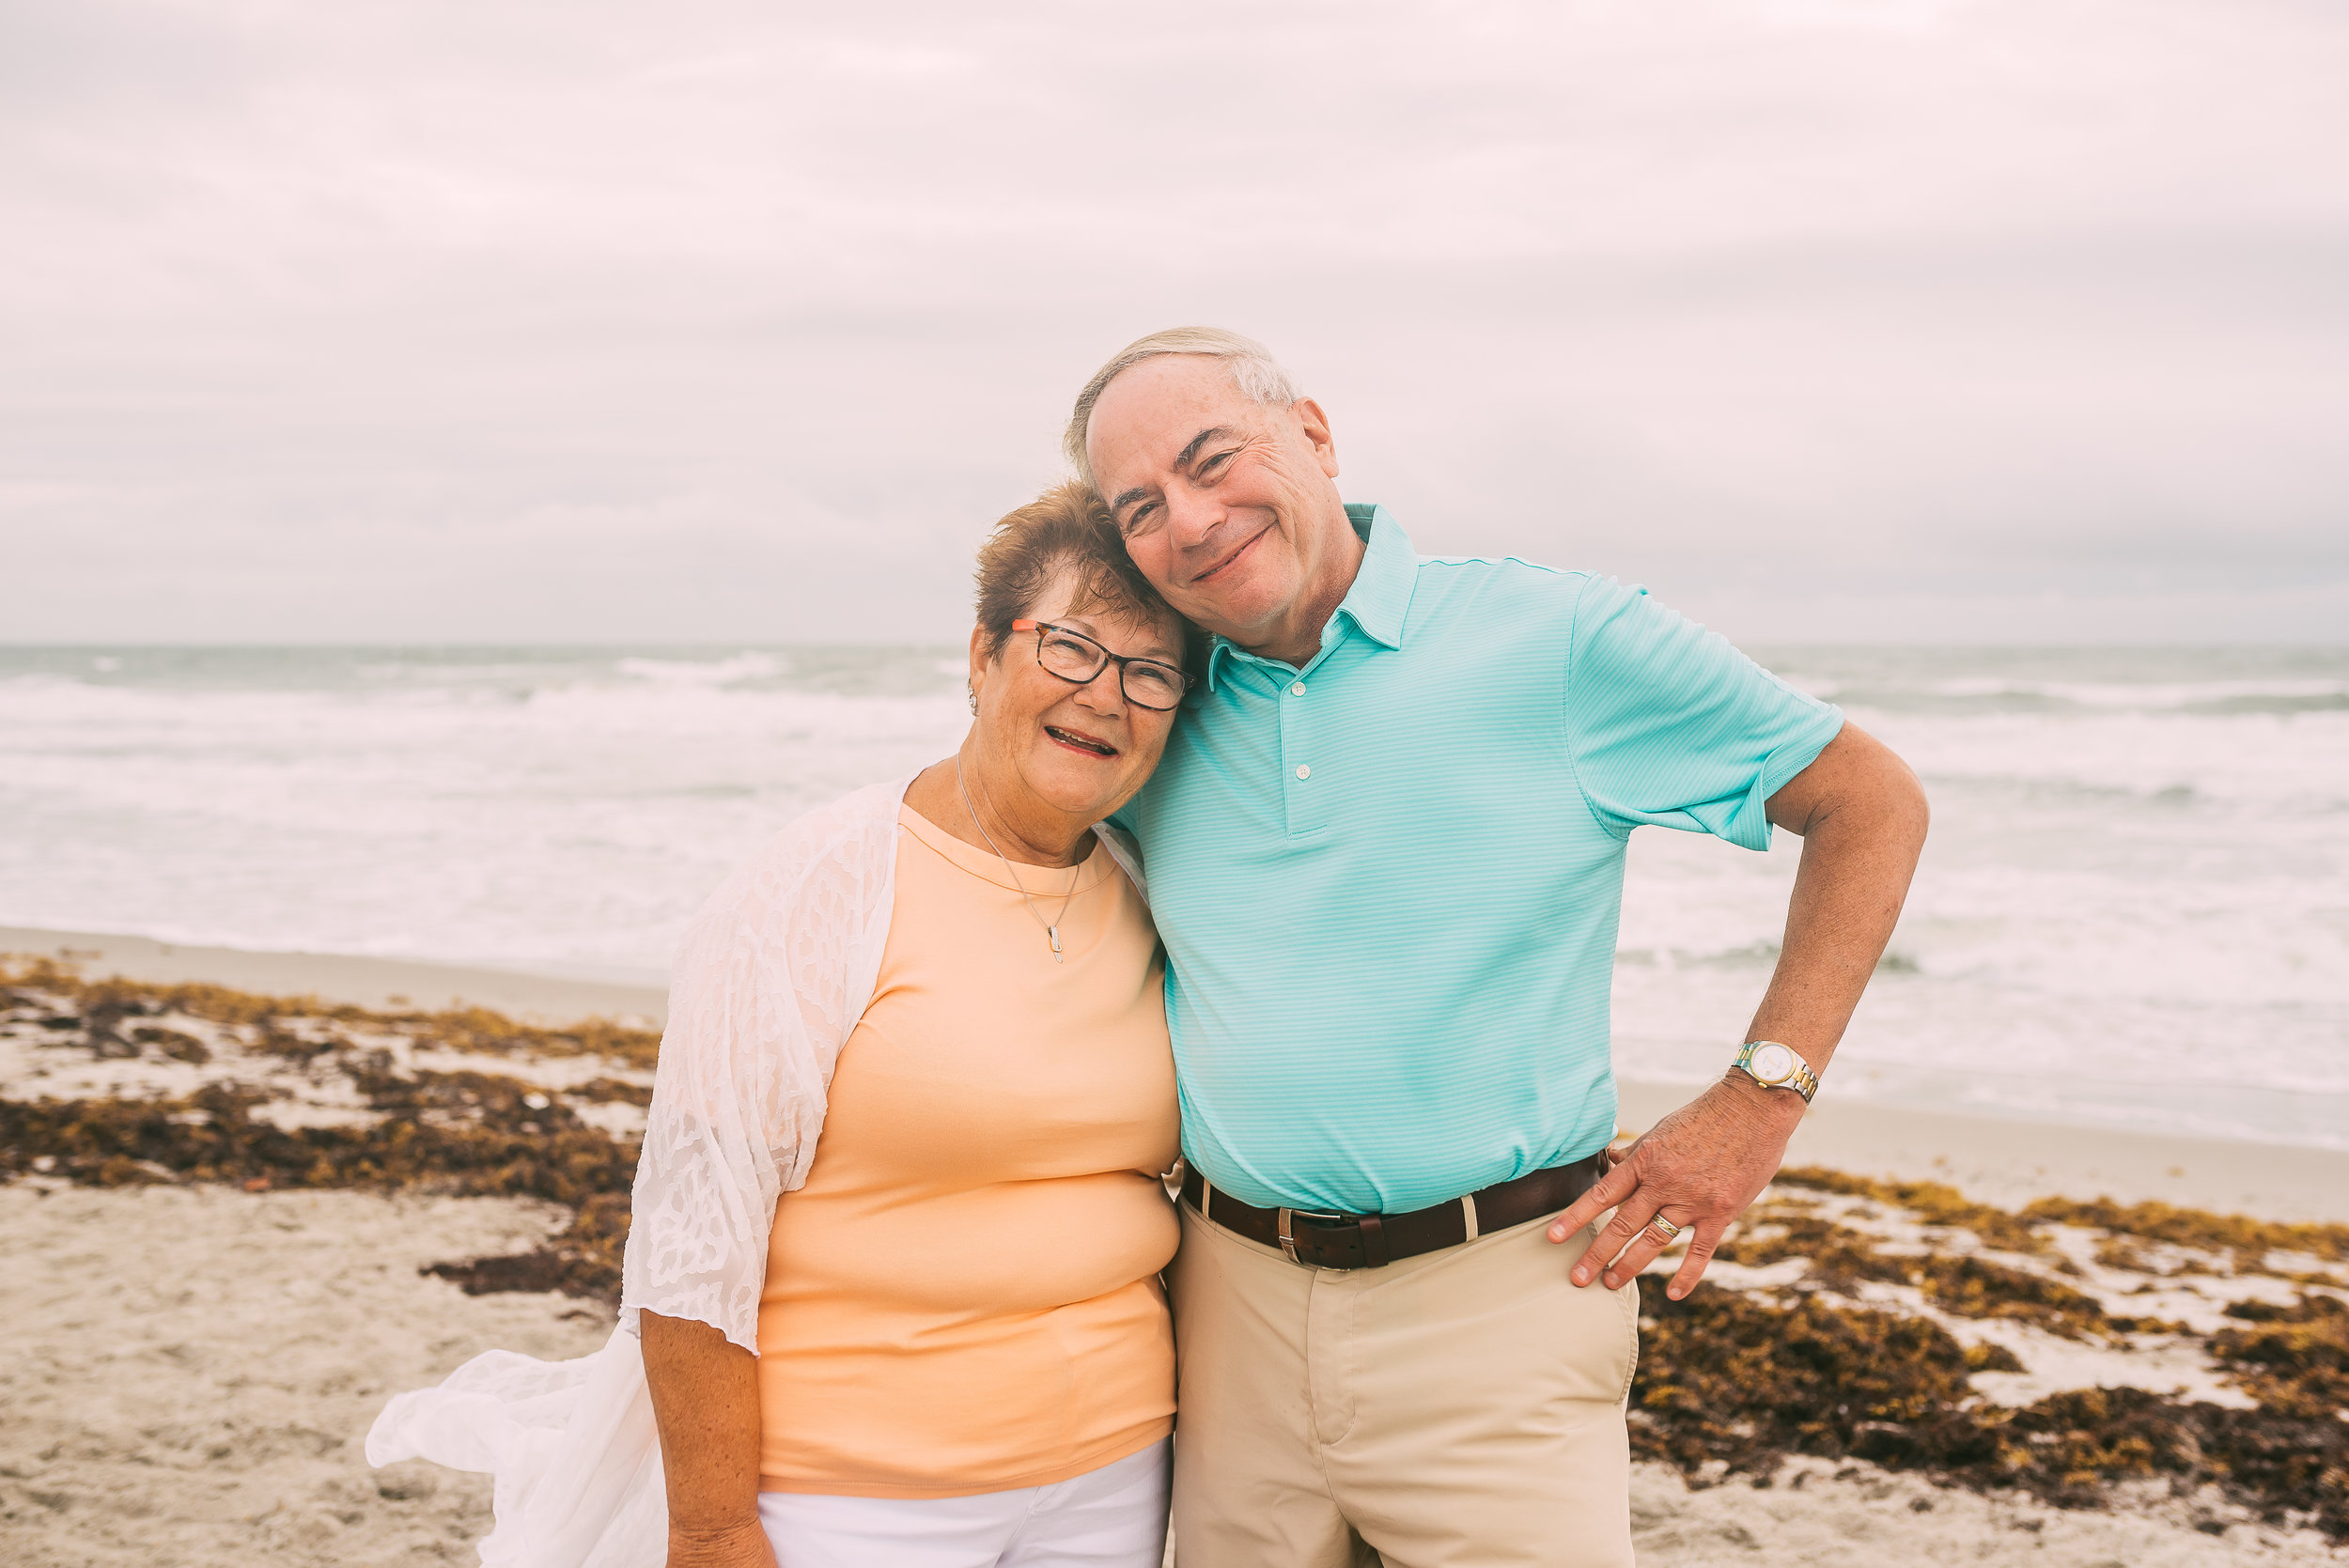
1388,881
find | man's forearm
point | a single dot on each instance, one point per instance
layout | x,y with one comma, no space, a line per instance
1862,822
704,1398
1862,814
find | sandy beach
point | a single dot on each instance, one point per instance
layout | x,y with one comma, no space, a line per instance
189,1374
192,1362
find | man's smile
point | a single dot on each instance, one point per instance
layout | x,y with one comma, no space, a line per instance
1247,545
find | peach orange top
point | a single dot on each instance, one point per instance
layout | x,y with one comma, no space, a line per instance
964,1296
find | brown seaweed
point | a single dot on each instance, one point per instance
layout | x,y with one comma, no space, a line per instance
1932,1203
1731,1385
103,1004
467,1132
1964,1285
2247,1240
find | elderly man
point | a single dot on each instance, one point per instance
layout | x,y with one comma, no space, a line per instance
1386,855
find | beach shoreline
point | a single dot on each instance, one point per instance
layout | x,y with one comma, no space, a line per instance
1994,1159
379,985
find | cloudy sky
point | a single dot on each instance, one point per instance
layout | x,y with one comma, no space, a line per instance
2011,321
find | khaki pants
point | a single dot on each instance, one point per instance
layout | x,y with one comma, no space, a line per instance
1459,1409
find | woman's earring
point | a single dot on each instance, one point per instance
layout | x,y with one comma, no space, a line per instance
974,693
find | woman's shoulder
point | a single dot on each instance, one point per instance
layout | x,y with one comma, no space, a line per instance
1126,851
858,814
834,854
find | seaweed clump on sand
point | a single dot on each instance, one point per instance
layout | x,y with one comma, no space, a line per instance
2248,1242
1728,1385
2295,1359
1931,1202
466,1132
2245,1242
212,1136
100,1007
1842,1259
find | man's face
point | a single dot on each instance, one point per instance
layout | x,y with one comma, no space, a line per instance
1226,505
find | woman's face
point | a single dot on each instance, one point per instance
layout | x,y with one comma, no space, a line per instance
1082,749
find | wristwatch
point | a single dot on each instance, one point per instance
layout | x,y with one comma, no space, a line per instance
1776,1067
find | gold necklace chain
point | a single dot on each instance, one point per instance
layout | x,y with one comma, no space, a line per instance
1051,928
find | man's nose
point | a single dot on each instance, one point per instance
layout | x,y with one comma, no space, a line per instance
1191,515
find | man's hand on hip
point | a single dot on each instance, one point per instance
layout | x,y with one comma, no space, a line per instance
1695,1170
1862,814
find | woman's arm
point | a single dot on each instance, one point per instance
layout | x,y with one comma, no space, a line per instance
705,1397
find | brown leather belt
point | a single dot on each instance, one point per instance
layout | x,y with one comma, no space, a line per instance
1323,1238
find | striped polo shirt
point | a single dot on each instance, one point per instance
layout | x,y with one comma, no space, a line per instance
1388,882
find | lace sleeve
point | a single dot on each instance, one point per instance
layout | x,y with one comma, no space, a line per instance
768,984
1126,851
774,974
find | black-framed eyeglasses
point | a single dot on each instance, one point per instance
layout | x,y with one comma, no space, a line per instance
1078,659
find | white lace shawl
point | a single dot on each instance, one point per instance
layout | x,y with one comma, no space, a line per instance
768,983
772,977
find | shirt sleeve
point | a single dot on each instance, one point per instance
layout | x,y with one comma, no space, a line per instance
1669,725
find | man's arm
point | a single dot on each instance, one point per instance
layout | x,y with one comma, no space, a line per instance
704,1398
1862,814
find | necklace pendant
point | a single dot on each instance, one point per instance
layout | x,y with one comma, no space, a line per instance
1054,932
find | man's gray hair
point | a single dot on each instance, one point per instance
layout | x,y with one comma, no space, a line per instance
1250,364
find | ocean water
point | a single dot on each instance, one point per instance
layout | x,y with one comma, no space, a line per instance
2134,911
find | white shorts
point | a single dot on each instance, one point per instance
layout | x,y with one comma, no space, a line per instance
1112,1517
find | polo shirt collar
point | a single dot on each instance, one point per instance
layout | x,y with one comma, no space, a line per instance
1379,603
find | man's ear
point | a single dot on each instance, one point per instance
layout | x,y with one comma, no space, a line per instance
1317,425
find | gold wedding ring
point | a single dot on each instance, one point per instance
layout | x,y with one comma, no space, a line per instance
1665,1230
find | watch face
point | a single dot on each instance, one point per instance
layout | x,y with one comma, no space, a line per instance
1773,1064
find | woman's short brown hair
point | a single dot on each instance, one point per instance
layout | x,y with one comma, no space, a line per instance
1067,526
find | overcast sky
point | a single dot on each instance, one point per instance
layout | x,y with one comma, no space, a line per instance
2018,320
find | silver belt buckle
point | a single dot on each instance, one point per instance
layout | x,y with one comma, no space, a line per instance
1288,1236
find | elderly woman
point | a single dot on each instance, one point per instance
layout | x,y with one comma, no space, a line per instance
898,1219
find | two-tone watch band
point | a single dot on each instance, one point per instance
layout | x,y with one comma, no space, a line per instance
1776,1067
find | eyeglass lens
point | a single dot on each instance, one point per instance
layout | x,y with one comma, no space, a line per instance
1072,658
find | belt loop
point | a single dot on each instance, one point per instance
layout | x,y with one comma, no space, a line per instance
1468,1215
1206,1199
1374,1230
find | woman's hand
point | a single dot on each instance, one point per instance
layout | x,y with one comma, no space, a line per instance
743,1545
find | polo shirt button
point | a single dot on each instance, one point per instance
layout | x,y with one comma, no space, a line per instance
1304,772
1298,691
